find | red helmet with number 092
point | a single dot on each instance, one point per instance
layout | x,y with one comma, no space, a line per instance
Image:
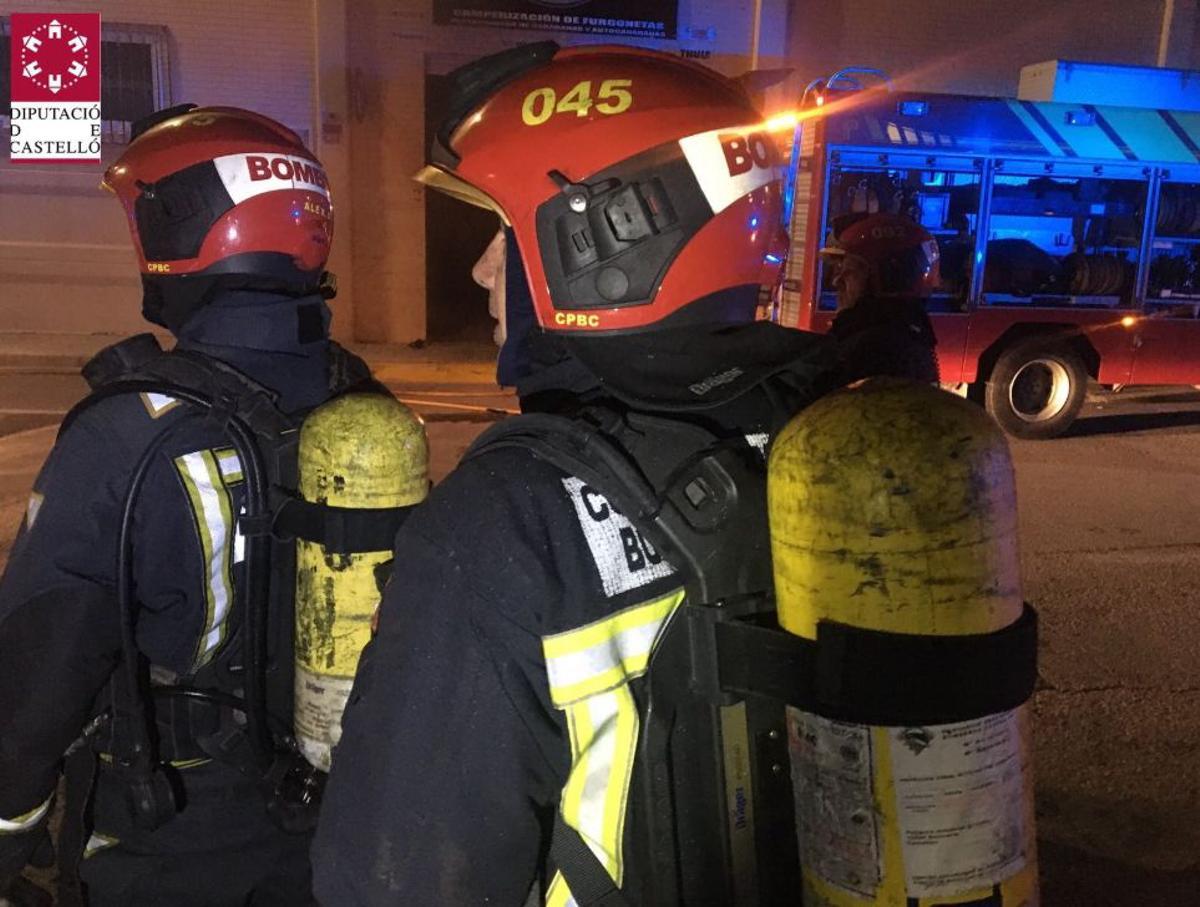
900,255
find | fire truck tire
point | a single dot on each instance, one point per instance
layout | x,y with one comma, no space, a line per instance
1036,388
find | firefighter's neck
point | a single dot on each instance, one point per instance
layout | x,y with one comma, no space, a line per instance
257,320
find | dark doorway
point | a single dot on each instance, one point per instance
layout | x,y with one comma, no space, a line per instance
455,236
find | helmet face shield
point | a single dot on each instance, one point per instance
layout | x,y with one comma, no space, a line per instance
446,182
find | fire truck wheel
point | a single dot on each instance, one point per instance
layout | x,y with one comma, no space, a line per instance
1036,389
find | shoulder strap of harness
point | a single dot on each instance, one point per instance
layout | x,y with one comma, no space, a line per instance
134,365
349,373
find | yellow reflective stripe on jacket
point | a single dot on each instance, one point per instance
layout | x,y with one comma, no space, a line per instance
25,821
598,656
558,894
212,508
231,466
589,669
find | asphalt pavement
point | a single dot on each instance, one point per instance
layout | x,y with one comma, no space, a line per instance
1110,536
1110,540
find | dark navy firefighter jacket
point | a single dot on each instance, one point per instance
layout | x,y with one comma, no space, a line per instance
59,628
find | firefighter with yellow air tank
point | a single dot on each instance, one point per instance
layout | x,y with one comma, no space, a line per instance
579,693
153,604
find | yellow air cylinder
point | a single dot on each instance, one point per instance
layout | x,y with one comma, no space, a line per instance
358,451
893,508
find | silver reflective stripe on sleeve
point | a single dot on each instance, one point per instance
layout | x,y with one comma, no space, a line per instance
98,842
26,821
33,508
213,510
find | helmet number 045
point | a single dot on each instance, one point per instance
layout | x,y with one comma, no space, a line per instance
541,104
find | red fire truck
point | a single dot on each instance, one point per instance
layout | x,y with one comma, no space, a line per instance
1069,236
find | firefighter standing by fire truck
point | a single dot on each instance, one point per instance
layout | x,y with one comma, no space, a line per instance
232,220
885,268
494,723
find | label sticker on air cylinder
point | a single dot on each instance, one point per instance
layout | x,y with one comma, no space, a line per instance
833,777
960,803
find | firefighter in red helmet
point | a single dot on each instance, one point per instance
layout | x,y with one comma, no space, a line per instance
495,745
885,268
141,627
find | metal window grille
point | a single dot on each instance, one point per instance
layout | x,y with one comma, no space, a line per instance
135,76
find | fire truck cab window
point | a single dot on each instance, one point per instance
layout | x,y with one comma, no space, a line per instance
1173,286
1056,240
945,202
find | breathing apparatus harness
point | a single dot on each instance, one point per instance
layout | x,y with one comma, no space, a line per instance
701,501
248,415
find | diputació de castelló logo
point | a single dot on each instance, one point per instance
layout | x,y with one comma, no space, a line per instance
55,80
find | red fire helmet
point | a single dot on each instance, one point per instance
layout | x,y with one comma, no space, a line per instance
902,255
641,188
223,191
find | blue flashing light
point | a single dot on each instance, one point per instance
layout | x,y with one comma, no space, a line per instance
912,108
1080,118
978,258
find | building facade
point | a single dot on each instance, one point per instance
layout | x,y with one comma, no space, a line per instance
364,80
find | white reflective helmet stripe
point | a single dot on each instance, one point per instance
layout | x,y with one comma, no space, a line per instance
212,508
25,821
589,670
248,175
728,174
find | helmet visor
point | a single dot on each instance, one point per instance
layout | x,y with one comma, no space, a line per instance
446,182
